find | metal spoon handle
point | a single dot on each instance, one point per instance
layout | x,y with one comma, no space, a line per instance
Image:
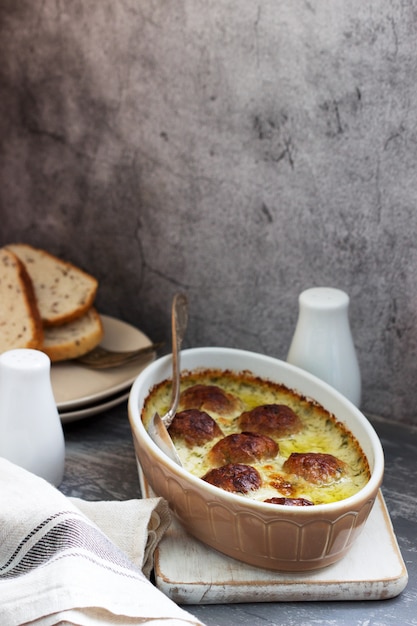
179,325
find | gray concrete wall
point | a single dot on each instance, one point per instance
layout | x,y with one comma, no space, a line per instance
240,151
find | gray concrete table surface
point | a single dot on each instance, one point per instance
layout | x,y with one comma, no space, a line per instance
101,465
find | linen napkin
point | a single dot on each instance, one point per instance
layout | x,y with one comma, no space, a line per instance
67,561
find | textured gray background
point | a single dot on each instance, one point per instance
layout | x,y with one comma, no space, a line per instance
240,151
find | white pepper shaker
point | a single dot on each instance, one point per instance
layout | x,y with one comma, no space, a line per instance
323,343
31,432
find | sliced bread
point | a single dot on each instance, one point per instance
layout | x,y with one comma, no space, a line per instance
63,291
73,339
20,321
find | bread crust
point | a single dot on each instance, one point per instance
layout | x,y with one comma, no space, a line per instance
32,318
50,277
74,339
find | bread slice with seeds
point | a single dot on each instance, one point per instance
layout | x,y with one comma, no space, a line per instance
20,321
73,339
63,291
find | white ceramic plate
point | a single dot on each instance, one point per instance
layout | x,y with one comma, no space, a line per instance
76,386
93,409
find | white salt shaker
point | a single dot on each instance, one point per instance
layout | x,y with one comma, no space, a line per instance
322,342
31,432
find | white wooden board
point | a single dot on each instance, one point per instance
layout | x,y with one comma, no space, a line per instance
189,572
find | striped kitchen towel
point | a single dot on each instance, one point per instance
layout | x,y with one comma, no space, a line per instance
67,561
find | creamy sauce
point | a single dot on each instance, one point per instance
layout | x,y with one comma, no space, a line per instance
321,432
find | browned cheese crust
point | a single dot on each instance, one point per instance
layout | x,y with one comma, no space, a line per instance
236,478
277,420
195,427
243,448
208,398
315,467
282,484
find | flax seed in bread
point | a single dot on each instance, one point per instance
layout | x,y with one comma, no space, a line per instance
73,339
63,291
20,321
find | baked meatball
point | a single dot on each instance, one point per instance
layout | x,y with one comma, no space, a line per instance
195,427
234,477
276,420
209,398
315,467
290,501
243,448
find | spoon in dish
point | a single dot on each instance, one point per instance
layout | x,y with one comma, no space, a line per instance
158,426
